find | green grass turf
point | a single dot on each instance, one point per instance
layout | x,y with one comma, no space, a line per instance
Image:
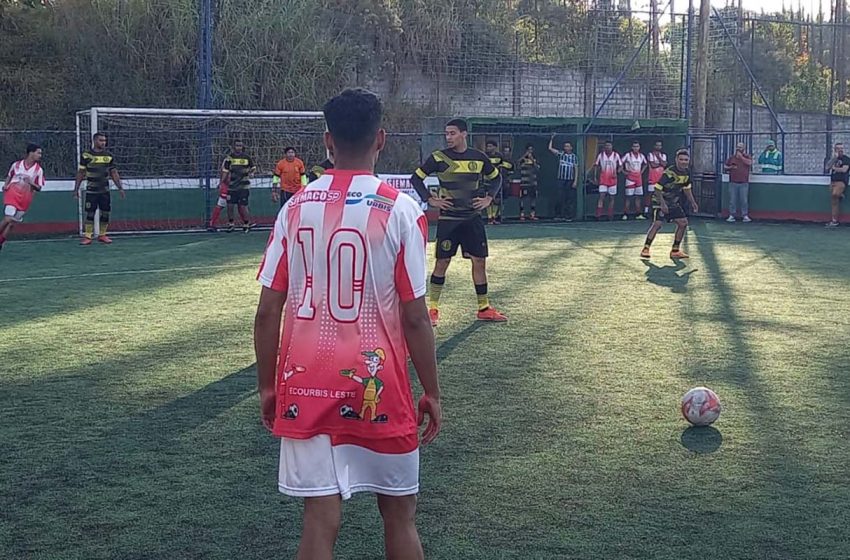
130,421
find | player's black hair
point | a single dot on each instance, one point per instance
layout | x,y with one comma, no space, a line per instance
32,148
683,152
568,142
491,143
99,135
459,123
609,142
635,141
353,118
286,149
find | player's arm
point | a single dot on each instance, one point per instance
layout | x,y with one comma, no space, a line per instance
551,147
303,172
494,179
116,178
643,165
748,160
689,192
225,170
419,335
81,174
8,180
659,191
274,277
841,168
266,346
276,181
418,181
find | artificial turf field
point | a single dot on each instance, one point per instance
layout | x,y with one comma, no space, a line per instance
130,423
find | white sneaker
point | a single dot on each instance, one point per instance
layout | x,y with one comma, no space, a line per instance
832,224
747,219
730,219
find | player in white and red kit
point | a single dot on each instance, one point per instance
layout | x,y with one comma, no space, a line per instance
346,267
657,161
25,177
608,162
634,164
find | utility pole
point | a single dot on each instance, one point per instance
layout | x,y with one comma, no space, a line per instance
701,85
205,22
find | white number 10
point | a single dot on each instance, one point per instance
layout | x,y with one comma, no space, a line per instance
346,269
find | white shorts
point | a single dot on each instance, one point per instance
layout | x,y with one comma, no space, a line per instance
634,190
222,202
14,213
604,189
311,468
650,187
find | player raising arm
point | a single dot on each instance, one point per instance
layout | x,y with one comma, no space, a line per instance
25,177
675,181
460,170
345,267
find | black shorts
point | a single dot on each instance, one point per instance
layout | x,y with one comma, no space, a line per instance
527,191
469,235
98,201
674,212
239,197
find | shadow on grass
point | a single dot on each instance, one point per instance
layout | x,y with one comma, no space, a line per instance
702,439
668,276
75,291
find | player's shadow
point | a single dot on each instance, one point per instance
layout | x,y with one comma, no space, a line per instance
668,276
702,439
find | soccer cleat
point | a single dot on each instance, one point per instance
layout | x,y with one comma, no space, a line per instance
85,241
644,253
832,224
434,314
104,239
746,220
230,228
731,219
491,222
522,216
625,217
640,217
212,229
678,254
534,217
247,227
491,315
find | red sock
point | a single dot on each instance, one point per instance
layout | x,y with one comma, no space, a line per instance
216,213
598,211
610,211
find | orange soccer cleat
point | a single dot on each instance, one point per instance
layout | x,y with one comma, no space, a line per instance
644,253
434,314
104,239
491,315
85,241
678,254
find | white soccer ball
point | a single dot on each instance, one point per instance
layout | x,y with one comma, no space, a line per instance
700,406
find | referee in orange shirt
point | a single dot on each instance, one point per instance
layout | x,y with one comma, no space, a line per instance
290,175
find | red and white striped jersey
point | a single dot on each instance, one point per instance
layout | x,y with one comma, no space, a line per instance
608,168
655,173
20,194
632,165
348,250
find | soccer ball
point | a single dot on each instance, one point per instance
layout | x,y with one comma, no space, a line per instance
700,406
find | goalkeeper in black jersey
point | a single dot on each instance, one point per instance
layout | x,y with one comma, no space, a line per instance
667,204
461,171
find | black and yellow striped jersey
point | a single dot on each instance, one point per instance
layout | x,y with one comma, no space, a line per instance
318,170
461,176
240,167
672,183
528,168
98,167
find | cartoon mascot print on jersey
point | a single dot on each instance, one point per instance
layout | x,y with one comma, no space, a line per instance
372,387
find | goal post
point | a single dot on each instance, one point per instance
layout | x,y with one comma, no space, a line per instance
170,160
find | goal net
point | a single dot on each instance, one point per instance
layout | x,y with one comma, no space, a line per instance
170,160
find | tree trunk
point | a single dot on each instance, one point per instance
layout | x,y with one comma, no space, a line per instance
701,84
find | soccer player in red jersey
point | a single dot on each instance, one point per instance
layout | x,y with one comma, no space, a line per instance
345,268
25,177
220,205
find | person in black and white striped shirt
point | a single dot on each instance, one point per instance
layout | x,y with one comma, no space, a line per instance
565,205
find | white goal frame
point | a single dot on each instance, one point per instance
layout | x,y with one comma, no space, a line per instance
92,116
